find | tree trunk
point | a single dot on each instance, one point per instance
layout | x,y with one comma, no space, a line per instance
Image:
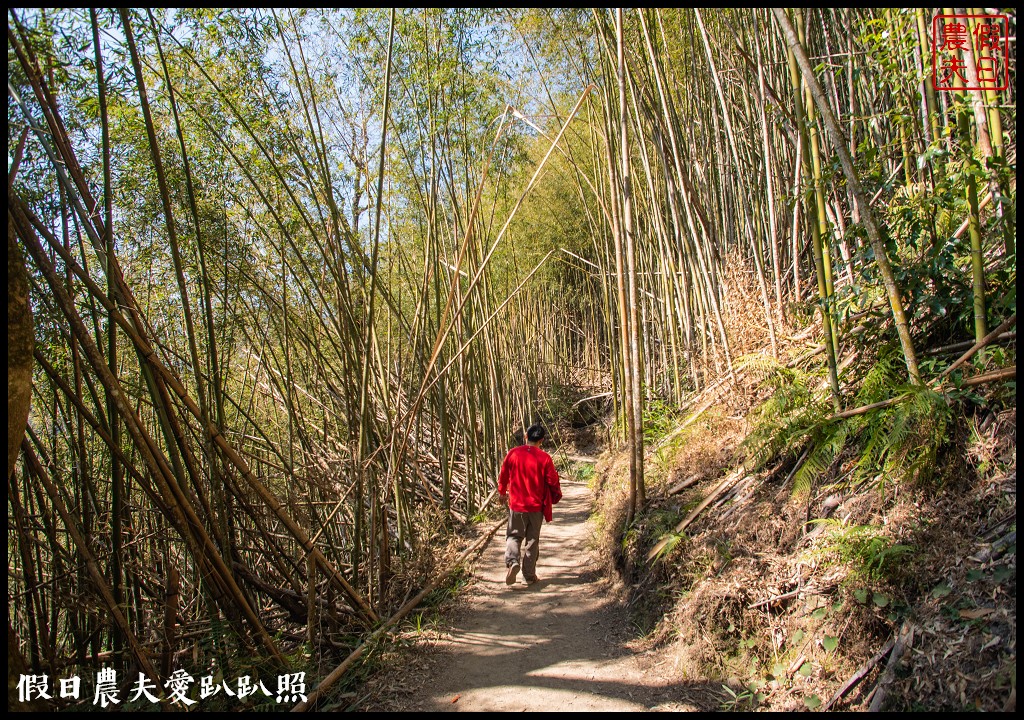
867,216
20,342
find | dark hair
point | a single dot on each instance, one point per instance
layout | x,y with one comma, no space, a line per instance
535,433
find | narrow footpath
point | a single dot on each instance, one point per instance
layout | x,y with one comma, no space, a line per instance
561,644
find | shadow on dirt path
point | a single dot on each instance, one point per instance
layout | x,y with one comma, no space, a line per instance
560,644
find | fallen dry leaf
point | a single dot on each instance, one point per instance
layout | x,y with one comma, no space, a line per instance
456,699
976,613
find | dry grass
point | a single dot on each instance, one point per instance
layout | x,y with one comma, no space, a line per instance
829,611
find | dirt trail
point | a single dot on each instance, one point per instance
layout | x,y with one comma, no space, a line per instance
561,644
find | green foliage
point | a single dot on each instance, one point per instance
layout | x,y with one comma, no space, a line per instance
556,400
455,582
659,418
654,527
864,548
422,621
584,472
931,264
902,440
801,313
744,700
671,540
785,419
897,442
812,702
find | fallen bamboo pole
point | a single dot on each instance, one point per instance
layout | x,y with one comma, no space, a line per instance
1006,325
899,649
865,408
1005,337
337,673
993,376
1001,374
722,487
861,673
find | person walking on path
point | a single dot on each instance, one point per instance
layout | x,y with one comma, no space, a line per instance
529,485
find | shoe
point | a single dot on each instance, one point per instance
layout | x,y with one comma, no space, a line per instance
510,576
531,580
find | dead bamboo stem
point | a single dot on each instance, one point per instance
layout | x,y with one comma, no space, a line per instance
339,671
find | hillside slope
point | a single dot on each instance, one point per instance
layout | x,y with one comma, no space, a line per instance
846,591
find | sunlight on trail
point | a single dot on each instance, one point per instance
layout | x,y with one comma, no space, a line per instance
556,645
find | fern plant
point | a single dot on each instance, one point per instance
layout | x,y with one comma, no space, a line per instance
897,442
864,548
783,422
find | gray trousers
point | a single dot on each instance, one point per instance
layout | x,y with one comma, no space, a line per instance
523,526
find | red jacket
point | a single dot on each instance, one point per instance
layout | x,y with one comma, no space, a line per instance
529,479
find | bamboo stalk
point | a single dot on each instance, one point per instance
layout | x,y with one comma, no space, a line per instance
1003,327
370,640
140,655
867,215
724,485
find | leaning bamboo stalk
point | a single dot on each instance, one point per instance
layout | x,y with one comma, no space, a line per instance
368,642
839,143
165,199
344,319
117,490
443,317
146,351
1003,327
222,520
724,485
192,529
138,652
116,452
508,220
36,610
483,326
853,412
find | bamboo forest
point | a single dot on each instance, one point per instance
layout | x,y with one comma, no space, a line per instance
287,287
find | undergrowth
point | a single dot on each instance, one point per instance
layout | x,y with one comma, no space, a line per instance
866,549
896,442
836,533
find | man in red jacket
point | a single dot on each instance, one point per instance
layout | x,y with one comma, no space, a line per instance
529,486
